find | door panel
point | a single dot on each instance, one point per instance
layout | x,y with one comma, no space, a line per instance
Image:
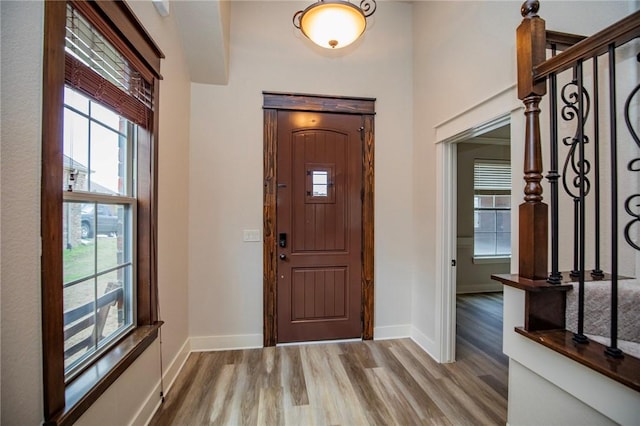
319,208
319,293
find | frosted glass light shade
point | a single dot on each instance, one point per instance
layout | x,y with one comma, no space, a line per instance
333,25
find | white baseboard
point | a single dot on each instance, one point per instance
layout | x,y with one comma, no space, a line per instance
221,343
392,332
427,345
176,365
151,404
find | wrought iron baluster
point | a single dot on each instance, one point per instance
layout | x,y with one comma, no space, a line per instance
555,277
613,350
596,273
576,168
569,95
582,172
569,113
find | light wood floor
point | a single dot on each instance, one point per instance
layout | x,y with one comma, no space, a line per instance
390,382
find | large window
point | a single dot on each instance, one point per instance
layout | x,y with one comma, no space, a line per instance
491,209
98,200
97,222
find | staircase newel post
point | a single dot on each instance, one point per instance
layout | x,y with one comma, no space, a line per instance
533,216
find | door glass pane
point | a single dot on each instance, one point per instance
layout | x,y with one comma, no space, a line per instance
319,180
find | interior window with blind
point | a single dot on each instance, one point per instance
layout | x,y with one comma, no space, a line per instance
492,209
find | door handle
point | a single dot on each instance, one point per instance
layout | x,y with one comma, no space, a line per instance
283,256
282,240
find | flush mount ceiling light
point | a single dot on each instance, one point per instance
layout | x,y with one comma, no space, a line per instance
334,24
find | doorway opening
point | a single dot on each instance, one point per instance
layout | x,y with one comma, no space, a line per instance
483,243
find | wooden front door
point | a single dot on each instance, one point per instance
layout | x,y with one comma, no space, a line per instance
319,226
276,106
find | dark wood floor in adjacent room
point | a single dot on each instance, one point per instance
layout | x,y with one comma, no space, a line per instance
389,382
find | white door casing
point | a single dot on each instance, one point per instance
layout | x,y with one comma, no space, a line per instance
496,111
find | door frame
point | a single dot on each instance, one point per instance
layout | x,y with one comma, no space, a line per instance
496,111
364,107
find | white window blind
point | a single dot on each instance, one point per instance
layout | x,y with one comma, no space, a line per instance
491,175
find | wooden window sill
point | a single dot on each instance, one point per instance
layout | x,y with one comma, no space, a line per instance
85,389
491,259
624,370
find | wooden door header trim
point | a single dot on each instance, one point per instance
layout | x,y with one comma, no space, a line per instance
319,103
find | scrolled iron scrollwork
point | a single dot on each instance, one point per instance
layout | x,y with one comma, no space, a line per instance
632,166
296,18
368,7
570,97
629,207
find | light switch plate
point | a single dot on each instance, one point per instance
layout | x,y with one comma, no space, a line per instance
251,235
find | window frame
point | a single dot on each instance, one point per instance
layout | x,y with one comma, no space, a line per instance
65,403
329,170
498,190
478,257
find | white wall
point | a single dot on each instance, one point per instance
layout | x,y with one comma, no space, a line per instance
449,63
454,70
267,53
21,117
21,111
173,179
